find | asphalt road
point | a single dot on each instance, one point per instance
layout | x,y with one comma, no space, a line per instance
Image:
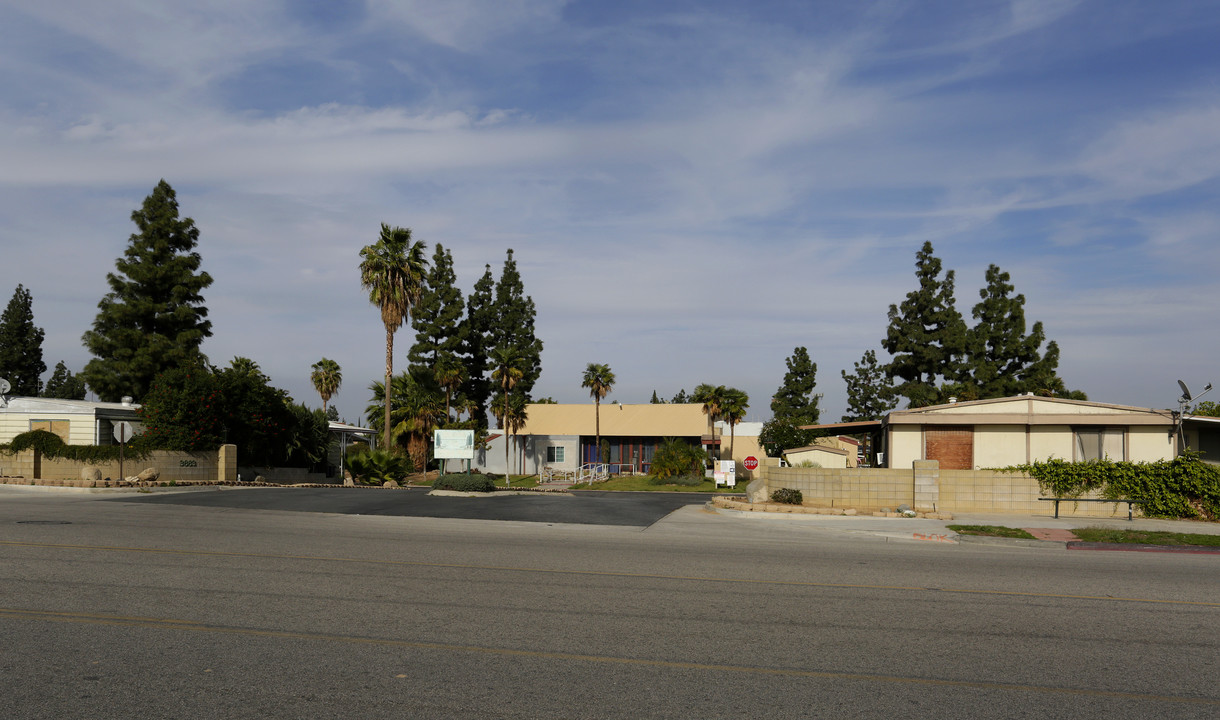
128,608
639,509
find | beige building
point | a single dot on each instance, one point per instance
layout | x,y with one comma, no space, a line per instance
1002,432
78,422
564,436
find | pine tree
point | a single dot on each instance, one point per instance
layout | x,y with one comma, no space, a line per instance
795,400
21,346
926,335
514,328
656,400
870,392
437,318
64,385
153,318
477,335
680,398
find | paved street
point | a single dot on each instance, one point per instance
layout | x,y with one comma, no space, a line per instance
115,606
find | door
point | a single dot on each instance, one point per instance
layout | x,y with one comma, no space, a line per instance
952,445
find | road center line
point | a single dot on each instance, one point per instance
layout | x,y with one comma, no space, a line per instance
599,573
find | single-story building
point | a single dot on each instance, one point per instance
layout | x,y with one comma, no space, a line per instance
1001,432
78,422
563,436
828,452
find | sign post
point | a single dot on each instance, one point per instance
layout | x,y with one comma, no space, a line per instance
122,431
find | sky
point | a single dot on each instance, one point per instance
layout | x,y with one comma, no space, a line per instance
691,189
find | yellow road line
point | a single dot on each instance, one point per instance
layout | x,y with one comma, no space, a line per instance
190,626
600,573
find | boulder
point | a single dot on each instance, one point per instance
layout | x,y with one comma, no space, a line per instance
90,473
148,475
390,483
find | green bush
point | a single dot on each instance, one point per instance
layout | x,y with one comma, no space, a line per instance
377,466
788,496
1180,488
675,458
464,483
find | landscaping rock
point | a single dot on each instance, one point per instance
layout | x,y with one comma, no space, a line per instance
390,483
89,473
148,475
849,511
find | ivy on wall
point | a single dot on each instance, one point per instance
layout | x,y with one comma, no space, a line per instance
51,446
1185,487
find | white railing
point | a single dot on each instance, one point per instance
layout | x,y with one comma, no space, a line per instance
592,472
550,474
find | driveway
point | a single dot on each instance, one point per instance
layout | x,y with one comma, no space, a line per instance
632,509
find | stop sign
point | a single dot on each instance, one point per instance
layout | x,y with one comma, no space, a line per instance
751,463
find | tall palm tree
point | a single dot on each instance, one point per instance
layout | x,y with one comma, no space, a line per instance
392,270
733,410
600,381
508,372
515,420
326,378
712,399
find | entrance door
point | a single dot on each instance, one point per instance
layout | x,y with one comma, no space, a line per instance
952,445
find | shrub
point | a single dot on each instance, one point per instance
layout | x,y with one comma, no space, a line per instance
377,466
464,483
1182,487
788,496
675,458
51,446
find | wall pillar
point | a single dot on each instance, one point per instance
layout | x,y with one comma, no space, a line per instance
226,464
927,485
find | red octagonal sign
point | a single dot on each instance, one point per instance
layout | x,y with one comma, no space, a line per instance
751,463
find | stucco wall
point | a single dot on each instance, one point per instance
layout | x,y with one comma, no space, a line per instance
177,466
905,446
1149,444
998,446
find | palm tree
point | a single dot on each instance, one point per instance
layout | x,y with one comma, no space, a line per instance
712,399
515,420
733,410
507,372
600,381
415,411
326,378
449,374
392,270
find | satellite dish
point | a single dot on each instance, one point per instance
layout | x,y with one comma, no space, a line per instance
5,386
1185,391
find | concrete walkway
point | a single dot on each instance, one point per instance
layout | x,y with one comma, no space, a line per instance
1051,531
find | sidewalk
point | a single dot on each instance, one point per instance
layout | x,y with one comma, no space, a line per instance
1051,531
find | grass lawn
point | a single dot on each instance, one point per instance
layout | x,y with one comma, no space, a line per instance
645,482
1145,537
991,531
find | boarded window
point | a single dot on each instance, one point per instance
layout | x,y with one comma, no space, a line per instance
59,427
951,445
1097,443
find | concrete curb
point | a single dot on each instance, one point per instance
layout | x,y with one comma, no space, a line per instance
1137,547
1011,542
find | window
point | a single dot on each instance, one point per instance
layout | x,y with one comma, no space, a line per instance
1097,443
59,427
554,453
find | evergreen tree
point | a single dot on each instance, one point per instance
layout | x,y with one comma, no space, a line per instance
870,392
998,350
681,398
21,346
926,336
64,385
153,319
437,318
1042,377
795,400
477,334
656,400
514,328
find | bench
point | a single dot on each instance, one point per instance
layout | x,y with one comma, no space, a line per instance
1076,500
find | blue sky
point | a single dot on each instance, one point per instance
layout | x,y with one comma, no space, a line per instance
691,189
